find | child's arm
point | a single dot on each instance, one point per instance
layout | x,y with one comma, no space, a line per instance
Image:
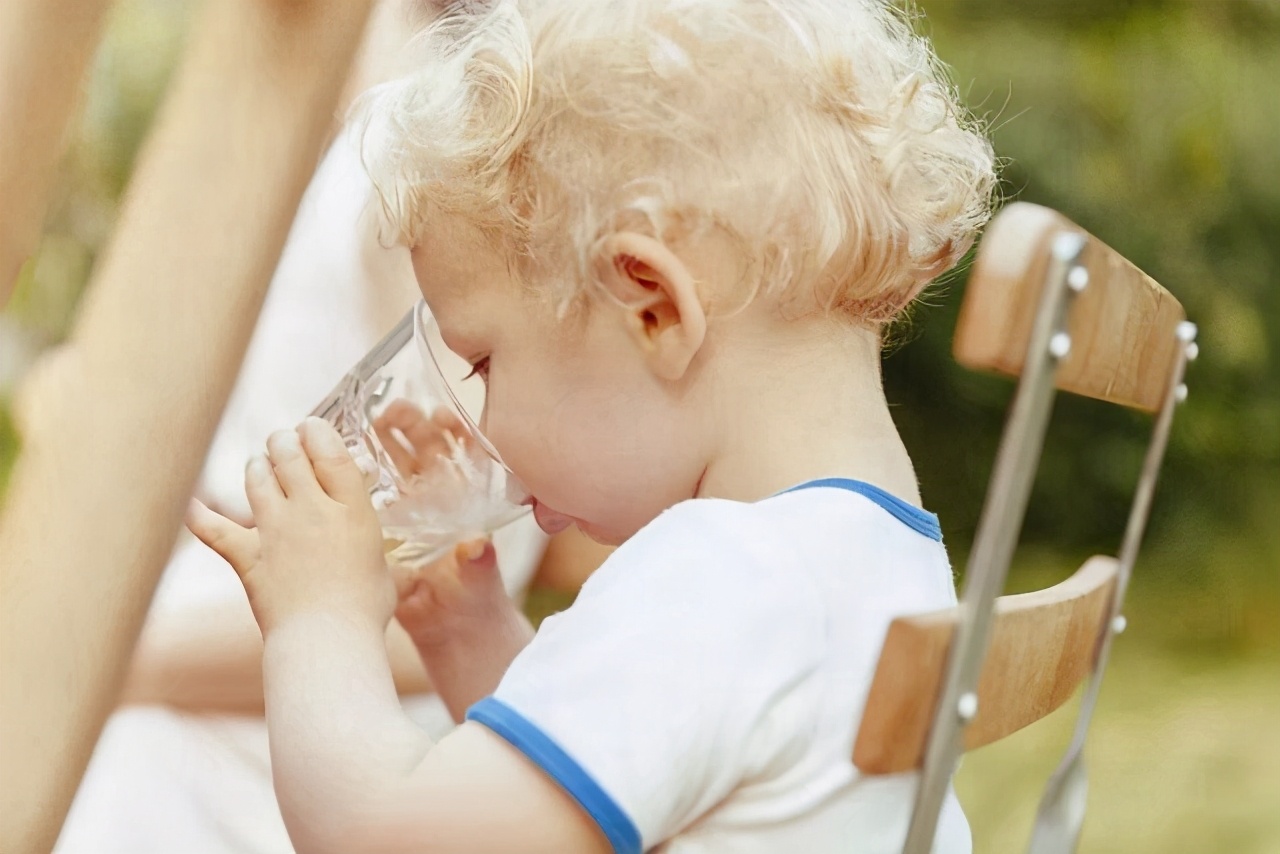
464,626
352,773
466,629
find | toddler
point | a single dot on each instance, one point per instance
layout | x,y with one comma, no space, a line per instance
668,235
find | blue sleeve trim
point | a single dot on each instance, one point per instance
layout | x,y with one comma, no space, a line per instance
920,521
561,767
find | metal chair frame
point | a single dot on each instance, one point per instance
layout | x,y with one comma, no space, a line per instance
1061,811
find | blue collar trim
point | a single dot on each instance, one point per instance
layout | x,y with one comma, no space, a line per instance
920,521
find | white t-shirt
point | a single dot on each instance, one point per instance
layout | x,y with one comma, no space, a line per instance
704,692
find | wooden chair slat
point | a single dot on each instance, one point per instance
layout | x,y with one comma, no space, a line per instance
1042,648
1122,327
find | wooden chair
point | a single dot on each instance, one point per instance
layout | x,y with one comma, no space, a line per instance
1057,308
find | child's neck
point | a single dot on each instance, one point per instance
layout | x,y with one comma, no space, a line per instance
799,400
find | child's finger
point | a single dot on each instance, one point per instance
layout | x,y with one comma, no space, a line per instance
403,414
237,545
400,457
261,487
290,461
447,422
334,469
476,556
402,577
423,434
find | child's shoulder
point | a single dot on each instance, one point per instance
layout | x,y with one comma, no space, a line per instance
812,506
821,534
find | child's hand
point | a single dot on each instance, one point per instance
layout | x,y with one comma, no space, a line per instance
419,445
317,545
466,629
459,597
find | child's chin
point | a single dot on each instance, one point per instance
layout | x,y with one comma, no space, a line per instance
600,536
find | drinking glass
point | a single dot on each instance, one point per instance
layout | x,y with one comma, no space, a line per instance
407,414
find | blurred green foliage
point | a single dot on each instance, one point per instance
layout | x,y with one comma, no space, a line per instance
1153,123
1156,126
8,446
129,73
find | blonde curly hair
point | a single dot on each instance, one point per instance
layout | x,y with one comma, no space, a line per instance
823,136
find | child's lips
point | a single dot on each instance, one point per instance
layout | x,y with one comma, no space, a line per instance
549,520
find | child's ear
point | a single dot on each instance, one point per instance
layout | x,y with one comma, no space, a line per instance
659,295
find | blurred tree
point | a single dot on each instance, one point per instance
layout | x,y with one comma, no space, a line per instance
1154,125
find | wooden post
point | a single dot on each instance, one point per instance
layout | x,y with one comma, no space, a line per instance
45,46
116,424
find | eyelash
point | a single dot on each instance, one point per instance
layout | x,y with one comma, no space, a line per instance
480,369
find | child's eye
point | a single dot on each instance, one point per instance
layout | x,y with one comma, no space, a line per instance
479,369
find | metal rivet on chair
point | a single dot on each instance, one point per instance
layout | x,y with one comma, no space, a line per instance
1180,393
1060,345
967,706
1119,624
1078,279
1193,350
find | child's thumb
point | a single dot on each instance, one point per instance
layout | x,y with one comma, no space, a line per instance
476,555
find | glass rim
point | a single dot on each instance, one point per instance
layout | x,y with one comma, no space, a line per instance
423,320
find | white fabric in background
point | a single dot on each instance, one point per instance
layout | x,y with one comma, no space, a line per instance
165,782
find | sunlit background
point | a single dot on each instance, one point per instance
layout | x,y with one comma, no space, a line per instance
1156,125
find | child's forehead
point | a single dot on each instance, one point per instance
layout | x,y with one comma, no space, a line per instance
461,277
454,261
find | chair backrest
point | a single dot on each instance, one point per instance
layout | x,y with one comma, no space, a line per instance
1042,648
1122,325
1058,309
